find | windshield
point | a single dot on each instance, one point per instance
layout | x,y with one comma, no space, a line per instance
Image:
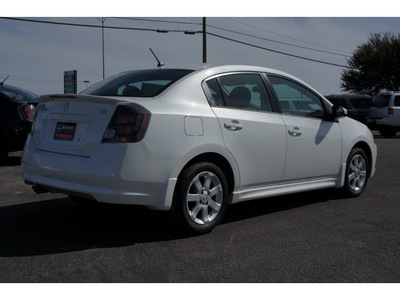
143,83
338,102
381,100
361,102
17,94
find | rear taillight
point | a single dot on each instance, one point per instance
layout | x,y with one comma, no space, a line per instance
390,111
128,124
26,112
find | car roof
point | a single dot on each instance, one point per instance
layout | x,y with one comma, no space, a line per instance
203,72
241,68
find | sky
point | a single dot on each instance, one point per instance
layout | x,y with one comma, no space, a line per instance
35,55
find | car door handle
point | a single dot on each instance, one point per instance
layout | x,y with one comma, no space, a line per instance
233,125
295,131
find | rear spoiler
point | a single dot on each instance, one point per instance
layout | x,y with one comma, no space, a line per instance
81,98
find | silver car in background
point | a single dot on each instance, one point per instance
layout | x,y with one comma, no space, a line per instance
193,141
384,114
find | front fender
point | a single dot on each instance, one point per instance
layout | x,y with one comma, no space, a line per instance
353,133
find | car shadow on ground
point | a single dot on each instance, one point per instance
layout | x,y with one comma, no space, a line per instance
61,225
255,208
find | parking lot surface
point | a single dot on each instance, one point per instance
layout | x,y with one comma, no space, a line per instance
307,237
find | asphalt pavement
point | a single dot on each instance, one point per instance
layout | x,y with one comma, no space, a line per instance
313,237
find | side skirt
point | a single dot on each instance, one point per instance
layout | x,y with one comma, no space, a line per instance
283,189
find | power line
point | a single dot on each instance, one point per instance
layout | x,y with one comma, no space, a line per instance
285,36
278,42
276,51
96,26
241,33
157,21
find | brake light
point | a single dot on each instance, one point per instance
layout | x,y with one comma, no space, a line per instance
390,111
128,124
26,112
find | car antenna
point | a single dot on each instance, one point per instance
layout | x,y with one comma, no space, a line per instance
160,64
2,83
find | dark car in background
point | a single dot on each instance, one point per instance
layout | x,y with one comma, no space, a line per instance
357,105
17,110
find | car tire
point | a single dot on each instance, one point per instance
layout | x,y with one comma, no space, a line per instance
388,132
201,198
357,171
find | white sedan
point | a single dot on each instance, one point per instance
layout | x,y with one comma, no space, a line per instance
193,141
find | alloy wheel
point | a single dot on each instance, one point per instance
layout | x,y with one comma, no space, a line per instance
204,198
357,173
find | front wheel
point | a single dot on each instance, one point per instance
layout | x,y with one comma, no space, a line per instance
357,170
201,197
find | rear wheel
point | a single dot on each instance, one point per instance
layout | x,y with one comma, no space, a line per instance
357,170
201,197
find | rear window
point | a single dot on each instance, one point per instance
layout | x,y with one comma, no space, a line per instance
17,94
142,83
381,100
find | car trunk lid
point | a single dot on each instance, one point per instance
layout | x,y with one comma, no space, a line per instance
72,124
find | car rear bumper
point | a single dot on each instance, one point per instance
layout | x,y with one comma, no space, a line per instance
113,174
383,122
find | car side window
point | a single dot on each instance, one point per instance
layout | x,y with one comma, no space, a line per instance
397,101
215,92
244,91
296,99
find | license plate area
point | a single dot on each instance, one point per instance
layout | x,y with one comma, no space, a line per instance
64,131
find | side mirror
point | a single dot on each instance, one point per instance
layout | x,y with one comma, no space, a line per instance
337,112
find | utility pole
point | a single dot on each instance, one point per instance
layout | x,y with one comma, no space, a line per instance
204,41
102,20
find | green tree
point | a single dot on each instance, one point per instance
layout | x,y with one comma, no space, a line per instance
374,66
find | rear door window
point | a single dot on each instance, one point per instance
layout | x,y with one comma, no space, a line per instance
242,91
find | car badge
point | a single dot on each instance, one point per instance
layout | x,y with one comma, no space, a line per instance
66,106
